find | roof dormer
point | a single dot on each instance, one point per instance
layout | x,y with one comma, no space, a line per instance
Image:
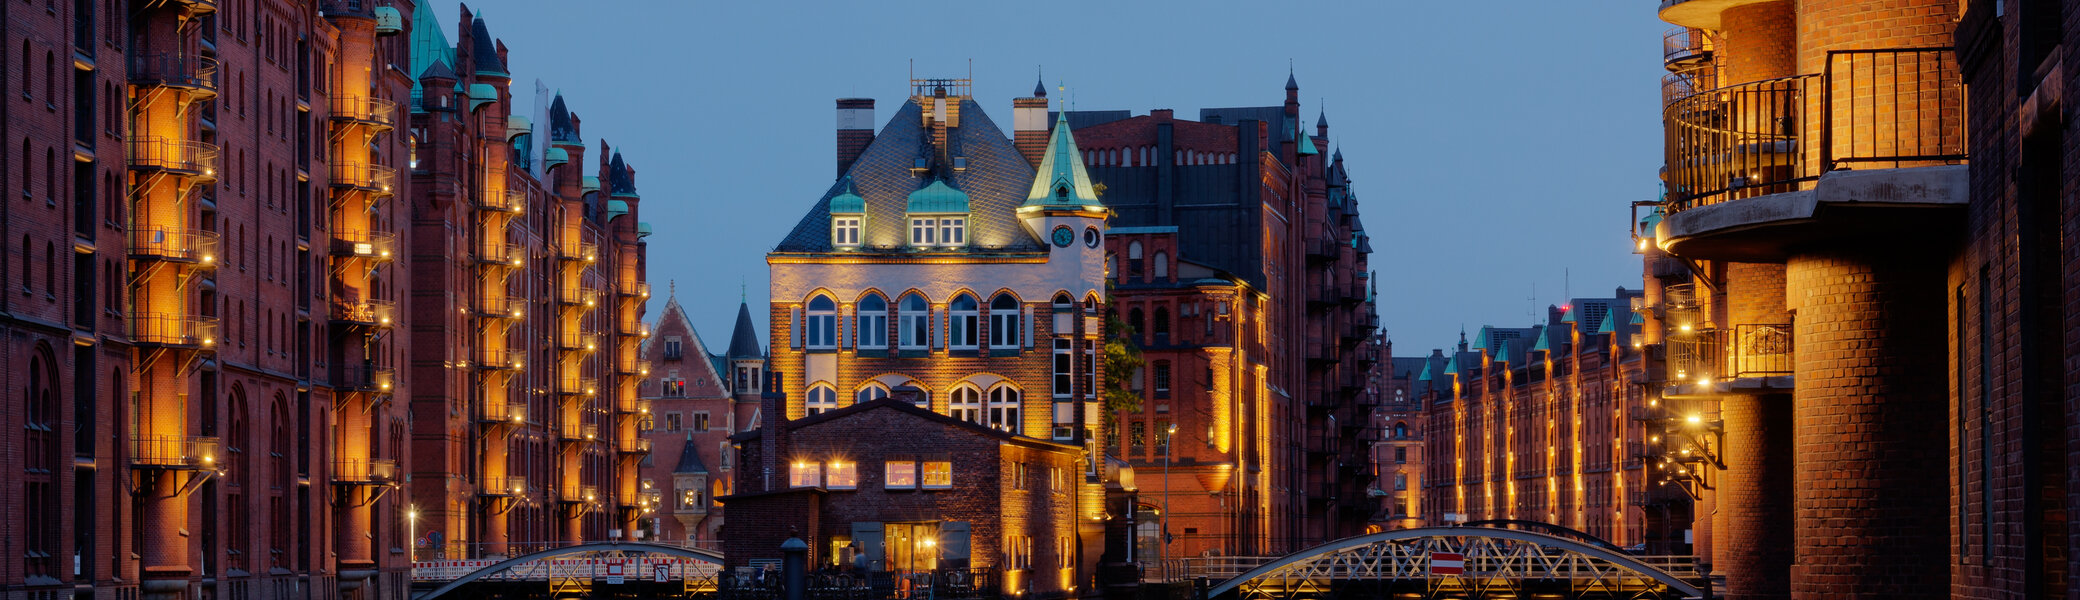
848,214
938,216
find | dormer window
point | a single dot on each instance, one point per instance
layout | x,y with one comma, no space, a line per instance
938,216
953,231
924,232
845,232
848,210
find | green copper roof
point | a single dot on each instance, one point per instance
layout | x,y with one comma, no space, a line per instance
1307,146
1610,323
1061,180
1541,346
616,208
481,94
429,43
590,183
388,20
1568,314
556,156
1481,340
1502,352
1426,372
1451,367
1639,319
938,198
643,229
848,203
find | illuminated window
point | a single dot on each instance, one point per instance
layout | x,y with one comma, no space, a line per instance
963,317
938,475
843,475
966,404
1003,321
902,475
805,474
845,232
922,231
823,323
953,231
821,399
1003,408
872,323
914,322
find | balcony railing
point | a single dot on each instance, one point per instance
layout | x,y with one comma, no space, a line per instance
574,493
577,341
585,386
1760,350
502,307
578,251
634,445
364,471
629,405
190,72
367,110
366,378
634,328
512,201
632,365
176,244
375,245
509,255
502,359
1684,45
585,432
1888,108
507,412
639,289
164,329
508,485
578,296
363,176
185,157
365,313
1688,81
1751,350
174,452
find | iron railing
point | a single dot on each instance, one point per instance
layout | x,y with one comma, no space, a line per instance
640,289
366,378
371,313
365,109
578,251
1762,349
584,432
364,471
1884,108
579,493
577,341
174,243
363,176
502,307
1688,81
188,71
188,157
503,411
586,386
635,445
512,201
493,253
1695,354
577,296
1683,44
508,485
166,329
500,359
174,451
377,245
1748,350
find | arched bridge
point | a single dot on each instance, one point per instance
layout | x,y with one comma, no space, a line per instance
574,569
1490,563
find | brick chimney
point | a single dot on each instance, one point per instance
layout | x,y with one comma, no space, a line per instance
772,408
855,130
1029,127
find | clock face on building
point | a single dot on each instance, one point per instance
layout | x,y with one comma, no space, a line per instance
1091,237
1063,236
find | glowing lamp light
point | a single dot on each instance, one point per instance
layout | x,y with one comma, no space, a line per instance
1694,419
1685,327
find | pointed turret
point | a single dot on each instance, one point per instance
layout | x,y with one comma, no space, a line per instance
743,341
484,50
1292,85
1039,89
1061,181
561,128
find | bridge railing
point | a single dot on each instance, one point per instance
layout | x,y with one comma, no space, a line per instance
645,569
1213,568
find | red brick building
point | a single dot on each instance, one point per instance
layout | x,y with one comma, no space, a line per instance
691,414
1398,449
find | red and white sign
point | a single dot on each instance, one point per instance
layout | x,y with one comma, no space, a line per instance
1447,563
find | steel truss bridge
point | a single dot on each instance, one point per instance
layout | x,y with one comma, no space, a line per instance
1497,564
629,568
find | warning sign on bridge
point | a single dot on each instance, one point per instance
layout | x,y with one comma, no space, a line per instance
1447,563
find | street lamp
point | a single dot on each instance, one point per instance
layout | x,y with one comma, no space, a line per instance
1163,520
411,517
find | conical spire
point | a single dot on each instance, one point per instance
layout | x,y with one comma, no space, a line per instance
1322,122
1039,89
743,342
561,129
485,52
1061,179
1291,83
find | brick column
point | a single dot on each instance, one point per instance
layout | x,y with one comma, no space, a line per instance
1870,413
1755,497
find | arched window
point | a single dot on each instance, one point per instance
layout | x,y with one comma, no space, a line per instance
966,404
1400,431
1162,324
1003,408
822,398
823,323
1003,321
870,392
1134,250
963,315
1134,259
1135,321
1162,266
914,322
39,486
872,323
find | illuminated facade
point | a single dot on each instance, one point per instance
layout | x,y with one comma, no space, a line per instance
691,414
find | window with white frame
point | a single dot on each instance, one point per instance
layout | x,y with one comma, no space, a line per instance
900,475
953,231
872,323
1064,380
821,399
923,231
937,474
845,232
963,315
822,331
1003,321
870,393
841,475
1090,368
1003,408
966,404
914,318
805,474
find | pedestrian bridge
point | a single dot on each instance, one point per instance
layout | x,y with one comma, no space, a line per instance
574,570
1491,564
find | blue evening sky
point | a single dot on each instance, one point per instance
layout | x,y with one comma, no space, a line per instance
1495,146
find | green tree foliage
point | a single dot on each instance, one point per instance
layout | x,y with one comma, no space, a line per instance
1122,359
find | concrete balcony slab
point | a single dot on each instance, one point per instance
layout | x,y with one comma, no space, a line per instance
1907,204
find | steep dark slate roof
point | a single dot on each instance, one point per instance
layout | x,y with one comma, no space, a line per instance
995,180
619,181
690,458
561,129
743,342
485,52
438,70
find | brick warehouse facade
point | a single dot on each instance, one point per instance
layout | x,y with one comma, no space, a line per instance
692,410
945,264
225,342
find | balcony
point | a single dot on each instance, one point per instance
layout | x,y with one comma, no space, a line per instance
577,342
631,405
635,445
173,330
640,289
365,378
579,494
198,7
510,202
508,485
365,177
373,245
577,386
578,252
374,112
174,452
636,329
507,412
577,296
501,360
196,74
175,244
1750,350
502,307
578,434
631,365
506,255
380,314
176,157
1684,46
368,471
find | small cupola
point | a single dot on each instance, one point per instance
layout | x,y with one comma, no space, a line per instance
938,216
848,212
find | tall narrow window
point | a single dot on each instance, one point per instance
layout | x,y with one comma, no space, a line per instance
1162,265
872,325
1064,379
821,399
966,404
1003,408
1162,379
915,322
823,323
963,316
1003,321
